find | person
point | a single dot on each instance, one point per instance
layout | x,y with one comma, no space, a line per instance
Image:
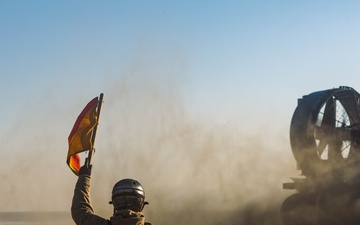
128,200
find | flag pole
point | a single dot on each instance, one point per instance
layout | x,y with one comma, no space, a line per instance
93,134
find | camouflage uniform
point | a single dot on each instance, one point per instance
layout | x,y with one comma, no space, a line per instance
83,214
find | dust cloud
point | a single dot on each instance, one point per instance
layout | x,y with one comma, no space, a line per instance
194,171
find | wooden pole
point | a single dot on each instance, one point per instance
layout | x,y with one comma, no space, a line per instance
93,135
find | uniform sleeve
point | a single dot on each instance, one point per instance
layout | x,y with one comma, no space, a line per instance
81,209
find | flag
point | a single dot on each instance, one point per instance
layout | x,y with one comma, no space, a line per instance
80,138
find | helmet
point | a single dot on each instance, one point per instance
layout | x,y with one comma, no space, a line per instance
128,187
128,194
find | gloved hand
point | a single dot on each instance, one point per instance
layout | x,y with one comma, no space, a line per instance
86,168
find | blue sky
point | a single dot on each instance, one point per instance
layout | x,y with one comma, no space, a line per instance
243,63
218,51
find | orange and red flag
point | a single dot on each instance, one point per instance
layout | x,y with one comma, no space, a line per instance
80,138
